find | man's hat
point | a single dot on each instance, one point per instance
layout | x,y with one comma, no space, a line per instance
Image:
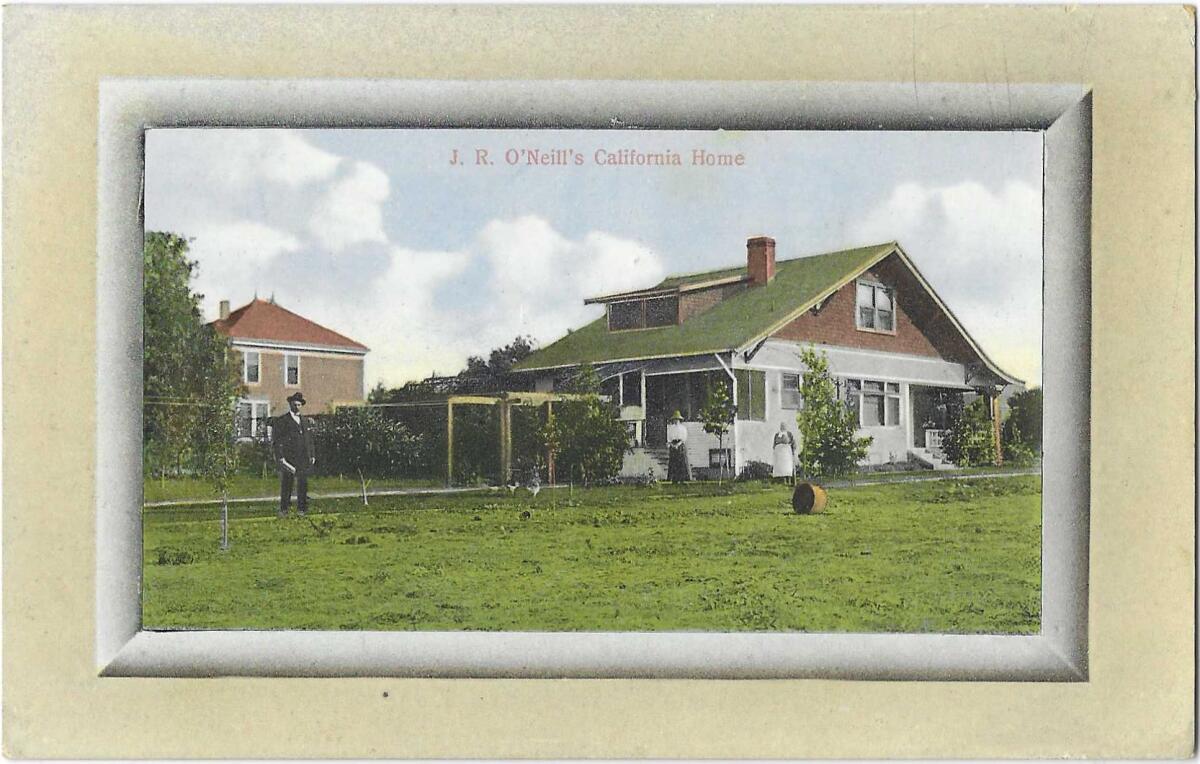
297,397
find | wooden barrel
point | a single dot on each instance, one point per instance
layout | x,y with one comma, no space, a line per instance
809,498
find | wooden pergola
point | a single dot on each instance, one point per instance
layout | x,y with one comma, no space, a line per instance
506,401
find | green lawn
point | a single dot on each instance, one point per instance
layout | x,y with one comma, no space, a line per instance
953,556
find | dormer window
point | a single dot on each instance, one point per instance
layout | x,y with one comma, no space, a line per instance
644,313
876,308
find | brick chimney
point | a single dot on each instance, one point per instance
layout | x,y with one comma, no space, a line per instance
760,259
224,309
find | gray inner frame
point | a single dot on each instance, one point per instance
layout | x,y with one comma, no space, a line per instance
1061,112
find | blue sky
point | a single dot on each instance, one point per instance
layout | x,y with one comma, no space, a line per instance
376,234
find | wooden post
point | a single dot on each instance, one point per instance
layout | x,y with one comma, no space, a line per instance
505,441
994,404
449,444
550,451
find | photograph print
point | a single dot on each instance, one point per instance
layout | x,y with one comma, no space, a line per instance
592,380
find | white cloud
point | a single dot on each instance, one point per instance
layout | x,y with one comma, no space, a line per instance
539,278
351,210
233,256
982,251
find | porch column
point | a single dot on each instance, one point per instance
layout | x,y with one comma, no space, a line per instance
994,410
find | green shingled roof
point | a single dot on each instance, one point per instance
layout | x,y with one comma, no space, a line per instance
732,323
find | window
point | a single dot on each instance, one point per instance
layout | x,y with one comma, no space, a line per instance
752,394
789,392
291,370
252,418
876,310
625,315
662,311
718,458
252,363
877,403
643,314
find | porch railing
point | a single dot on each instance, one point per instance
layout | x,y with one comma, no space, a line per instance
933,439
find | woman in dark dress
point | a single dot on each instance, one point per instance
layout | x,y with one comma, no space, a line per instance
678,469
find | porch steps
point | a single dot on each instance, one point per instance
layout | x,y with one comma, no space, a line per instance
661,456
932,458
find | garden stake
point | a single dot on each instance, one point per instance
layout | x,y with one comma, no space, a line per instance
224,522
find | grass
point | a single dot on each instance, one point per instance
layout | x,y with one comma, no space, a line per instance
953,556
245,486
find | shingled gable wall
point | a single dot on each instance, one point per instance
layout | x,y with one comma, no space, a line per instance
922,329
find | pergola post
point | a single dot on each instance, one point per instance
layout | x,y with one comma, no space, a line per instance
449,443
505,440
550,450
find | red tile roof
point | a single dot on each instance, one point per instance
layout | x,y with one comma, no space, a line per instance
267,322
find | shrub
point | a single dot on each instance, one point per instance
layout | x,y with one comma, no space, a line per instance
1017,451
587,439
756,471
968,441
828,445
352,440
255,458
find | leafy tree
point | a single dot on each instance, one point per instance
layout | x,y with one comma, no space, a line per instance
968,441
480,376
585,435
190,378
717,415
828,445
1022,428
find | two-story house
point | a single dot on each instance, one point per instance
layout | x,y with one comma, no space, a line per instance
281,353
897,352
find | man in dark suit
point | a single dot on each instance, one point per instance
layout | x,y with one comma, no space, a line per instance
293,448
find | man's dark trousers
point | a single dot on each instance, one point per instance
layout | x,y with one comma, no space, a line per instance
300,479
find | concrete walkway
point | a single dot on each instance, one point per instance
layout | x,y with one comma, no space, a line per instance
478,489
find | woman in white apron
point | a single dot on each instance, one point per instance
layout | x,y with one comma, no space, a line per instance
784,455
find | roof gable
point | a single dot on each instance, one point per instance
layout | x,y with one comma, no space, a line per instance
264,321
730,324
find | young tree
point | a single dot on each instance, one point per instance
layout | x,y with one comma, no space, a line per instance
190,380
828,445
717,416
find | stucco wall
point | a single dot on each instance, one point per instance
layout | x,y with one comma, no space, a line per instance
325,379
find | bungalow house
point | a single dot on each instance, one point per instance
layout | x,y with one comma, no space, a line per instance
282,352
897,352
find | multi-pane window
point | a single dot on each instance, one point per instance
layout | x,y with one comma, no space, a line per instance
876,403
252,367
751,394
643,314
789,392
876,307
291,369
252,418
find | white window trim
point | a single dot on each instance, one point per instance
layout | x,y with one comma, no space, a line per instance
286,356
254,404
783,389
246,367
899,396
895,308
